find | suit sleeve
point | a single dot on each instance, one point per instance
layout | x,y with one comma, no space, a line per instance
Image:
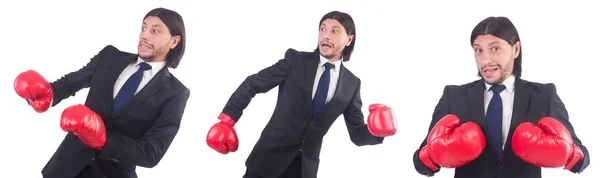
148,150
71,83
558,111
441,109
261,82
355,122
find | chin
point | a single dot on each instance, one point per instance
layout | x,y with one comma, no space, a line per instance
322,51
144,56
491,81
144,51
325,54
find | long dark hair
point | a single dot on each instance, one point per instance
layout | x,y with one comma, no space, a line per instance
502,28
348,24
174,22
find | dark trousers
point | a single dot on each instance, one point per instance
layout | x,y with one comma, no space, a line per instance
294,170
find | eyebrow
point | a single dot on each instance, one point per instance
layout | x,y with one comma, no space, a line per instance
144,23
489,44
334,26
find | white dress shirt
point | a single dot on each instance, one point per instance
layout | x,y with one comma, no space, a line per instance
334,75
131,69
508,97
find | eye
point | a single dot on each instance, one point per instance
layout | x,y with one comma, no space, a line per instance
323,29
143,28
495,49
478,50
336,31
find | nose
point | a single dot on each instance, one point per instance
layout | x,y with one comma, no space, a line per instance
324,35
144,35
323,38
485,58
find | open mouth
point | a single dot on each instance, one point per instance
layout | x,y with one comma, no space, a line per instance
326,45
490,69
145,45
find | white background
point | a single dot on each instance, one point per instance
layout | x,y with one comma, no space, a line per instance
405,54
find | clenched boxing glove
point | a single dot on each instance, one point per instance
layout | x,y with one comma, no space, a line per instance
85,124
549,144
222,137
451,144
381,121
32,87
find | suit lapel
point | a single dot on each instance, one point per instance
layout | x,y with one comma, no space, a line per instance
477,107
338,87
310,73
475,94
111,79
520,107
153,86
312,63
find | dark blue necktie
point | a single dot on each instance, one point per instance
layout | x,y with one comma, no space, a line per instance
494,120
128,90
322,89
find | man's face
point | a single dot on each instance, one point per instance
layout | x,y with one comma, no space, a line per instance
155,40
333,38
495,57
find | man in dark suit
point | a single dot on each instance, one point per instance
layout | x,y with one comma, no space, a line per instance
314,90
133,109
486,128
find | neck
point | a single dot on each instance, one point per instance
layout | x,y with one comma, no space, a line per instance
334,59
155,59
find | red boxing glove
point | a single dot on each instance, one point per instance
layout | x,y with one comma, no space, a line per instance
85,124
451,144
549,144
381,121
32,87
222,137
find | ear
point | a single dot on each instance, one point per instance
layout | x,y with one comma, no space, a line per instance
174,41
349,41
516,49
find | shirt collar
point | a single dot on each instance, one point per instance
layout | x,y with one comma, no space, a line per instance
324,60
156,66
509,83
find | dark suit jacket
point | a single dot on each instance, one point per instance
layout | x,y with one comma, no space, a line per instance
532,101
291,126
137,136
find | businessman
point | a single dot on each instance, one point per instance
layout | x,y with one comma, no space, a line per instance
315,88
500,126
133,109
